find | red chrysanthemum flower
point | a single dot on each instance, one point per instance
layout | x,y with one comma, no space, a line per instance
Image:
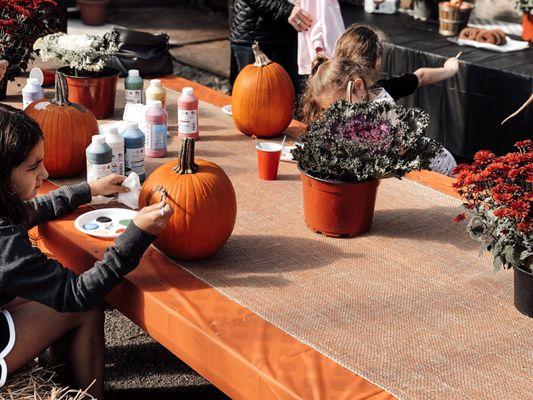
484,156
460,217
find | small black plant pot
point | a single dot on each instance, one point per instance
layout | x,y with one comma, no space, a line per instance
523,291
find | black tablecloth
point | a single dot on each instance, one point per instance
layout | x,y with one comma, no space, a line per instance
466,111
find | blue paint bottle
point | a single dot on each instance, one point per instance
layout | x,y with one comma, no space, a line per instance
134,145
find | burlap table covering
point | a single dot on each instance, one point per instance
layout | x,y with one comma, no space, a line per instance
410,306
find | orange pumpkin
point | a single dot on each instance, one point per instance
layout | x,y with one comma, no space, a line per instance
204,204
67,128
263,97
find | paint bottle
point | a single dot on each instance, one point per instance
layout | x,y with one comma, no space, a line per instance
156,123
134,144
156,91
188,114
31,92
133,86
99,157
116,142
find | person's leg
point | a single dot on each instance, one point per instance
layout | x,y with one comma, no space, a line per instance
286,54
38,326
17,301
243,54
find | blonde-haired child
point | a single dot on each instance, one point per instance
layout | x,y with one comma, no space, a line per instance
328,82
344,79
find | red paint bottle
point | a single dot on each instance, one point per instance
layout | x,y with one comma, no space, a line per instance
188,114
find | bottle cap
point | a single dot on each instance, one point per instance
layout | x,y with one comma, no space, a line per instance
112,130
133,72
132,125
98,139
154,104
32,81
38,74
188,91
155,82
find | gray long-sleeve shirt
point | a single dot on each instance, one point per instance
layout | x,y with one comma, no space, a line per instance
28,273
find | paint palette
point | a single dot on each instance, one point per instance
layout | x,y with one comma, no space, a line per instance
107,223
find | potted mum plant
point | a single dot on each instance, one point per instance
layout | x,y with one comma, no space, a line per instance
21,23
498,194
90,82
345,153
526,8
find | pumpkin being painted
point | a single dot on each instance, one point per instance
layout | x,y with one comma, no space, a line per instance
67,129
204,204
263,97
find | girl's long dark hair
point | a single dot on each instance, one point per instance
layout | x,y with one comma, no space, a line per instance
19,134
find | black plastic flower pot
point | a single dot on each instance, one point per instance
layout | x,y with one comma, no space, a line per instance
523,291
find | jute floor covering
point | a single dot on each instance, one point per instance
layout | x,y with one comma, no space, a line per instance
411,306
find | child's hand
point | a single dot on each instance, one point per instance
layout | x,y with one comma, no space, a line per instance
452,66
300,19
153,219
108,185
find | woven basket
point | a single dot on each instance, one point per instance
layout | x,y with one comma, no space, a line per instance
453,19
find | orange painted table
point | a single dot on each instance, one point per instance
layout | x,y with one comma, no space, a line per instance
236,350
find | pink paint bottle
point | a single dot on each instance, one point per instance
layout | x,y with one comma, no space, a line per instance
188,114
156,132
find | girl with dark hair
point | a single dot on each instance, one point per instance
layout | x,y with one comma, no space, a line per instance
41,302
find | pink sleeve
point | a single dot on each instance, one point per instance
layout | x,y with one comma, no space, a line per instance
332,24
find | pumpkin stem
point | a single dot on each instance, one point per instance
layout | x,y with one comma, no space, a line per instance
261,58
186,163
61,90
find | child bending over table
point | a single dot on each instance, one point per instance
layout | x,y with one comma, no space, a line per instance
42,302
342,78
362,44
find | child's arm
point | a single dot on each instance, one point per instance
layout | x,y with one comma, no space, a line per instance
65,200
429,76
59,202
27,273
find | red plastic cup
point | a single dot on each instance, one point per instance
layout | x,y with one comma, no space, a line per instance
268,160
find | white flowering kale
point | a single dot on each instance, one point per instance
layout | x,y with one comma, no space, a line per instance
84,54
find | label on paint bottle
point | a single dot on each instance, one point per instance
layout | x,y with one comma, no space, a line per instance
97,171
133,96
187,121
117,163
156,138
135,161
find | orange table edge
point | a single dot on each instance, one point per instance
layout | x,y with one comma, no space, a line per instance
239,352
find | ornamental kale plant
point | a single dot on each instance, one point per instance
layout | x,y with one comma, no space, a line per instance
498,192
84,54
371,140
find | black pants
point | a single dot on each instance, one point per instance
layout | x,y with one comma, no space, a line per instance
284,54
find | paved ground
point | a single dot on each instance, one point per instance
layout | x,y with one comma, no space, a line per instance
139,368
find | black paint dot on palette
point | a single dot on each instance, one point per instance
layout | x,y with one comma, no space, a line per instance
103,219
